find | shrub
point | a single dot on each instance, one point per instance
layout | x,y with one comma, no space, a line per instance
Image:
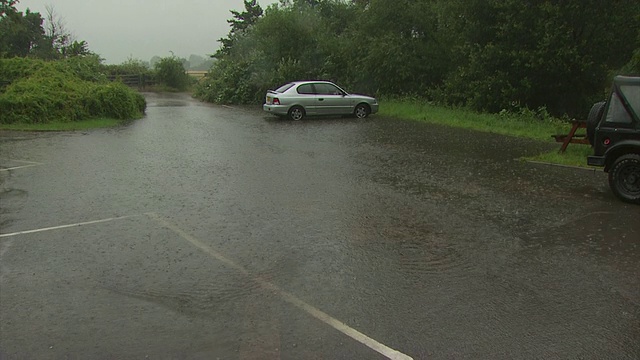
16,68
227,83
86,68
41,92
114,100
129,67
43,97
170,72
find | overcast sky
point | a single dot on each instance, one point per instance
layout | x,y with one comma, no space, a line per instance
119,29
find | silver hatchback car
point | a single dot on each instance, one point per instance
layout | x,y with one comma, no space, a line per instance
302,98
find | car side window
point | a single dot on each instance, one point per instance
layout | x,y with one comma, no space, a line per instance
305,89
327,89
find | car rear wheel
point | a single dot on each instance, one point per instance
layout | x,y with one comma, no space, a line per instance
624,178
597,110
362,111
296,113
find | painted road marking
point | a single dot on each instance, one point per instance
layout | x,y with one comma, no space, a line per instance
29,164
66,226
290,298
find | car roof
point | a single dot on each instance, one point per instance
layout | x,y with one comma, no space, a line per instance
311,81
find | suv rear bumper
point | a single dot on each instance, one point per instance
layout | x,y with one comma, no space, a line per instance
596,161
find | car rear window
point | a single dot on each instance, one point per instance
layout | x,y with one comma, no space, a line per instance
632,93
284,88
617,113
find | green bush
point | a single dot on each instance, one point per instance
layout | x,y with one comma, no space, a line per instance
86,68
41,92
45,96
17,68
170,72
114,100
227,83
129,67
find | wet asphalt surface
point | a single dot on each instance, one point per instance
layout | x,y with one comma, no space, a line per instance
217,223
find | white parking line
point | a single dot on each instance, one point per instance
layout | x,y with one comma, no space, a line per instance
292,299
66,226
29,164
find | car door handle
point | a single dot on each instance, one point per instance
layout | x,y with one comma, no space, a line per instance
320,99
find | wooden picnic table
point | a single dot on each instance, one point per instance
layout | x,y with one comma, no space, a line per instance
572,137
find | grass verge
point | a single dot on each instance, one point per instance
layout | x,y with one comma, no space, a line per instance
527,124
576,155
65,126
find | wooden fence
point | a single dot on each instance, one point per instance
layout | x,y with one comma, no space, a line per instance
140,81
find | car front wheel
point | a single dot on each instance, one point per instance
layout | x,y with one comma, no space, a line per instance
361,111
296,113
624,178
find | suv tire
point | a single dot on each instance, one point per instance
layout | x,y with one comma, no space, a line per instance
596,112
624,178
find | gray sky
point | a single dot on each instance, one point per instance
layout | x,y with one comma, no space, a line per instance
119,29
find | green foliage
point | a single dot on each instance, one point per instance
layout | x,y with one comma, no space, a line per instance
487,55
240,23
533,124
23,34
44,91
228,82
46,95
86,68
129,67
114,100
170,72
16,68
267,55
633,66
575,155
20,33
7,6
553,54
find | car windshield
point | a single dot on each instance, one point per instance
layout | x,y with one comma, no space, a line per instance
284,88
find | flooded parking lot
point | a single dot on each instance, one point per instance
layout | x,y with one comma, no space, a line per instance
205,232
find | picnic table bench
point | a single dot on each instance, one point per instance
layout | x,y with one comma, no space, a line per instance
572,137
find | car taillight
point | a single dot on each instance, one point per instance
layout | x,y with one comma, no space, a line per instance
607,142
276,101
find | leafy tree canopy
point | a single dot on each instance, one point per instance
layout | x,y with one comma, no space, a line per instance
240,23
488,55
29,34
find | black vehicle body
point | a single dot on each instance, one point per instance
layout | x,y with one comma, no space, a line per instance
613,128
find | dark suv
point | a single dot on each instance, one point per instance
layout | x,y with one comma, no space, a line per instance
613,129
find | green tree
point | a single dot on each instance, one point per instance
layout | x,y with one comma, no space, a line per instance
535,54
7,6
486,54
240,23
20,33
171,72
